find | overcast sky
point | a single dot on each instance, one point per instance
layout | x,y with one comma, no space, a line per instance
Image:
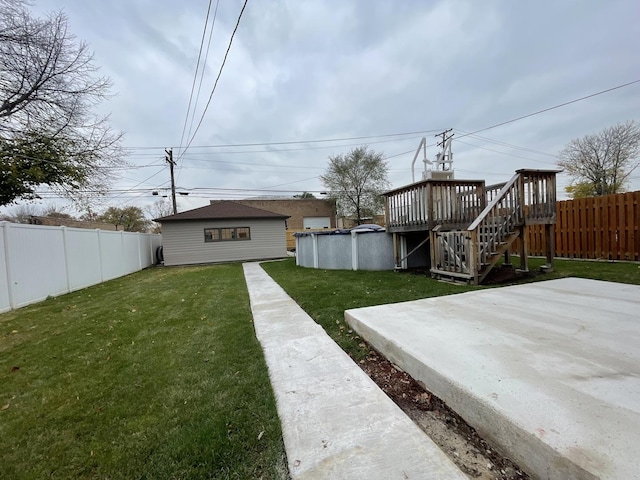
330,69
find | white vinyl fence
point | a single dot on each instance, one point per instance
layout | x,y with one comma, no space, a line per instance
40,261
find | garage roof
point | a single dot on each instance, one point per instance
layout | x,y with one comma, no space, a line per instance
222,209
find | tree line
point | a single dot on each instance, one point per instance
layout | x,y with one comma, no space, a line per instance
128,218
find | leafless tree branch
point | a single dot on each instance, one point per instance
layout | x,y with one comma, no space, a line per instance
49,86
600,163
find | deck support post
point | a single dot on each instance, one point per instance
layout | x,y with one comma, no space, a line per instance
507,259
396,255
550,244
524,249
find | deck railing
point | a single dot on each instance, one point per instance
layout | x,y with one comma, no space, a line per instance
529,197
539,195
493,190
480,239
425,204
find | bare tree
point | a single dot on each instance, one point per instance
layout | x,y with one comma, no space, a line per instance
23,213
357,180
159,209
600,164
56,211
48,88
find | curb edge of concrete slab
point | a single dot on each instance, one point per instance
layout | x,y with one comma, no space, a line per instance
504,435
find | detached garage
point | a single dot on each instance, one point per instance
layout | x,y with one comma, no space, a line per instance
224,231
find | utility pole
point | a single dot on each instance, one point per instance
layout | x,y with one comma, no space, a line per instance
444,136
441,159
172,163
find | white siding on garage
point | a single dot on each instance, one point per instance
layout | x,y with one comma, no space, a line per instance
183,241
316,222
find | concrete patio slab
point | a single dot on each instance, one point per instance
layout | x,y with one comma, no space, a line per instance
336,422
549,372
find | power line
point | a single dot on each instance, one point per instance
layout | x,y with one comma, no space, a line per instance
144,181
195,75
284,150
262,164
399,154
118,192
318,176
135,188
504,153
215,84
551,108
252,164
264,144
485,173
386,135
297,181
204,66
505,144
292,142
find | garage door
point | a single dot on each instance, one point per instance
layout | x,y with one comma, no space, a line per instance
314,223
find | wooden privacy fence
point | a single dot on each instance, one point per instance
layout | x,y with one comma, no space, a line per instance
291,240
605,227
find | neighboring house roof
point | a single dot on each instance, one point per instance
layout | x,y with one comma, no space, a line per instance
223,209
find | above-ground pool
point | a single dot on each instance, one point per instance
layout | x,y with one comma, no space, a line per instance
345,250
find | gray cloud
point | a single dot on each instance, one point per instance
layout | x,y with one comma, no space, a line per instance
332,69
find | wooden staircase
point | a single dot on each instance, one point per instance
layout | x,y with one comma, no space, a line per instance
468,254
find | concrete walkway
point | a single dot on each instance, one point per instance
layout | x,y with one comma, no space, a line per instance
336,422
548,371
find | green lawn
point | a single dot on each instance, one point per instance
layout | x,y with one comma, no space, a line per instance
159,374
154,375
326,294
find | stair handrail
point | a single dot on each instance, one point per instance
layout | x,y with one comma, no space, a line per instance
494,202
483,238
495,225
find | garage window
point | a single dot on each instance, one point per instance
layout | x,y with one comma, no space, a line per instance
227,234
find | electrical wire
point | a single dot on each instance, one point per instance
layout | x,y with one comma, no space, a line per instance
224,60
195,75
204,66
122,192
378,136
275,150
551,108
145,180
293,142
505,144
505,153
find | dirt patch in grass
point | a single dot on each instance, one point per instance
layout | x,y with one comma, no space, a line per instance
447,429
